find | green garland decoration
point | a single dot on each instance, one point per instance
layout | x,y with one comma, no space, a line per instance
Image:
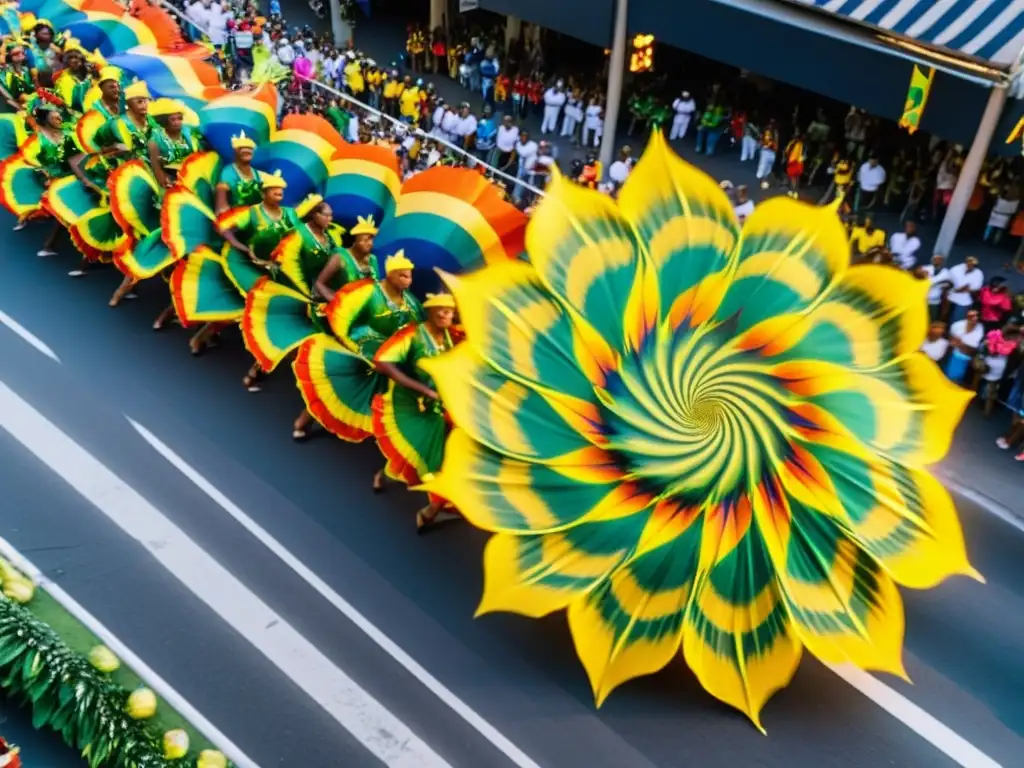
67,694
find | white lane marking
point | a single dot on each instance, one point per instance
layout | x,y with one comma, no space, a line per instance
383,734
164,689
1005,514
924,725
27,335
435,686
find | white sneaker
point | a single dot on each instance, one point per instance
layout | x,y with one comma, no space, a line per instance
20,226
45,253
1001,442
76,273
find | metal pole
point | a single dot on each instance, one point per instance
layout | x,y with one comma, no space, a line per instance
969,174
613,99
338,27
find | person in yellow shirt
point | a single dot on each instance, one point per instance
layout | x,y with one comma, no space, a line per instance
393,88
842,174
354,80
409,102
866,238
374,82
416,47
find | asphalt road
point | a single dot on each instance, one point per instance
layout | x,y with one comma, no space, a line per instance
964,648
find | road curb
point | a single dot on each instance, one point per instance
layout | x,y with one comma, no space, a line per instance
986,502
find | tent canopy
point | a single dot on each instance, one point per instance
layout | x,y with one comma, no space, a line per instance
991,31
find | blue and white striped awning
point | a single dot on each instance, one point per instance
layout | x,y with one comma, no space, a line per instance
991,30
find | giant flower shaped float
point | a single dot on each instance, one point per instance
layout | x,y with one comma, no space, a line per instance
697,439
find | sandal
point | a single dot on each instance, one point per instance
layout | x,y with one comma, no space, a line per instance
299,435
380,482
251,383
425,523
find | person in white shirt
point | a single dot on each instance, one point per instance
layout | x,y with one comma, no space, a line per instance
743,205
505,141
449,125
618,172
216,25
905,245
593,123
967,280
965,336
465,129
870,179
285,52
572,118
437,118
684,107
936,344
938,276
526,151
554,100
1002,212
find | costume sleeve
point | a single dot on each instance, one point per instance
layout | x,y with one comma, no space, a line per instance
346,308
397,349
227,177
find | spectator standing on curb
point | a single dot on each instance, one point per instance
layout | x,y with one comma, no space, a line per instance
966,279
486,136
936,345
938,276
505,141
593,123
870,179
769,148
683,109
554,100
905,245
965,337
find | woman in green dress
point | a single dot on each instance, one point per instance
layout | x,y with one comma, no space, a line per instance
41,159
105,137
239,183
409,422
44,53
15,76
334,375
137,193
285,309
56,146
251,234
74,81
357,262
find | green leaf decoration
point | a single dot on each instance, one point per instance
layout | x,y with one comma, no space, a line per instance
65,693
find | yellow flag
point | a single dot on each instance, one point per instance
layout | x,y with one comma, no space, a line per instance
917,98
1017,134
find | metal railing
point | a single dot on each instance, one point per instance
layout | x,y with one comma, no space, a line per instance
469,158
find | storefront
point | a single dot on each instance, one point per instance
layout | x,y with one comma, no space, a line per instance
792,43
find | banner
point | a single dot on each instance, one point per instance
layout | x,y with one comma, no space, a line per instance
917,98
